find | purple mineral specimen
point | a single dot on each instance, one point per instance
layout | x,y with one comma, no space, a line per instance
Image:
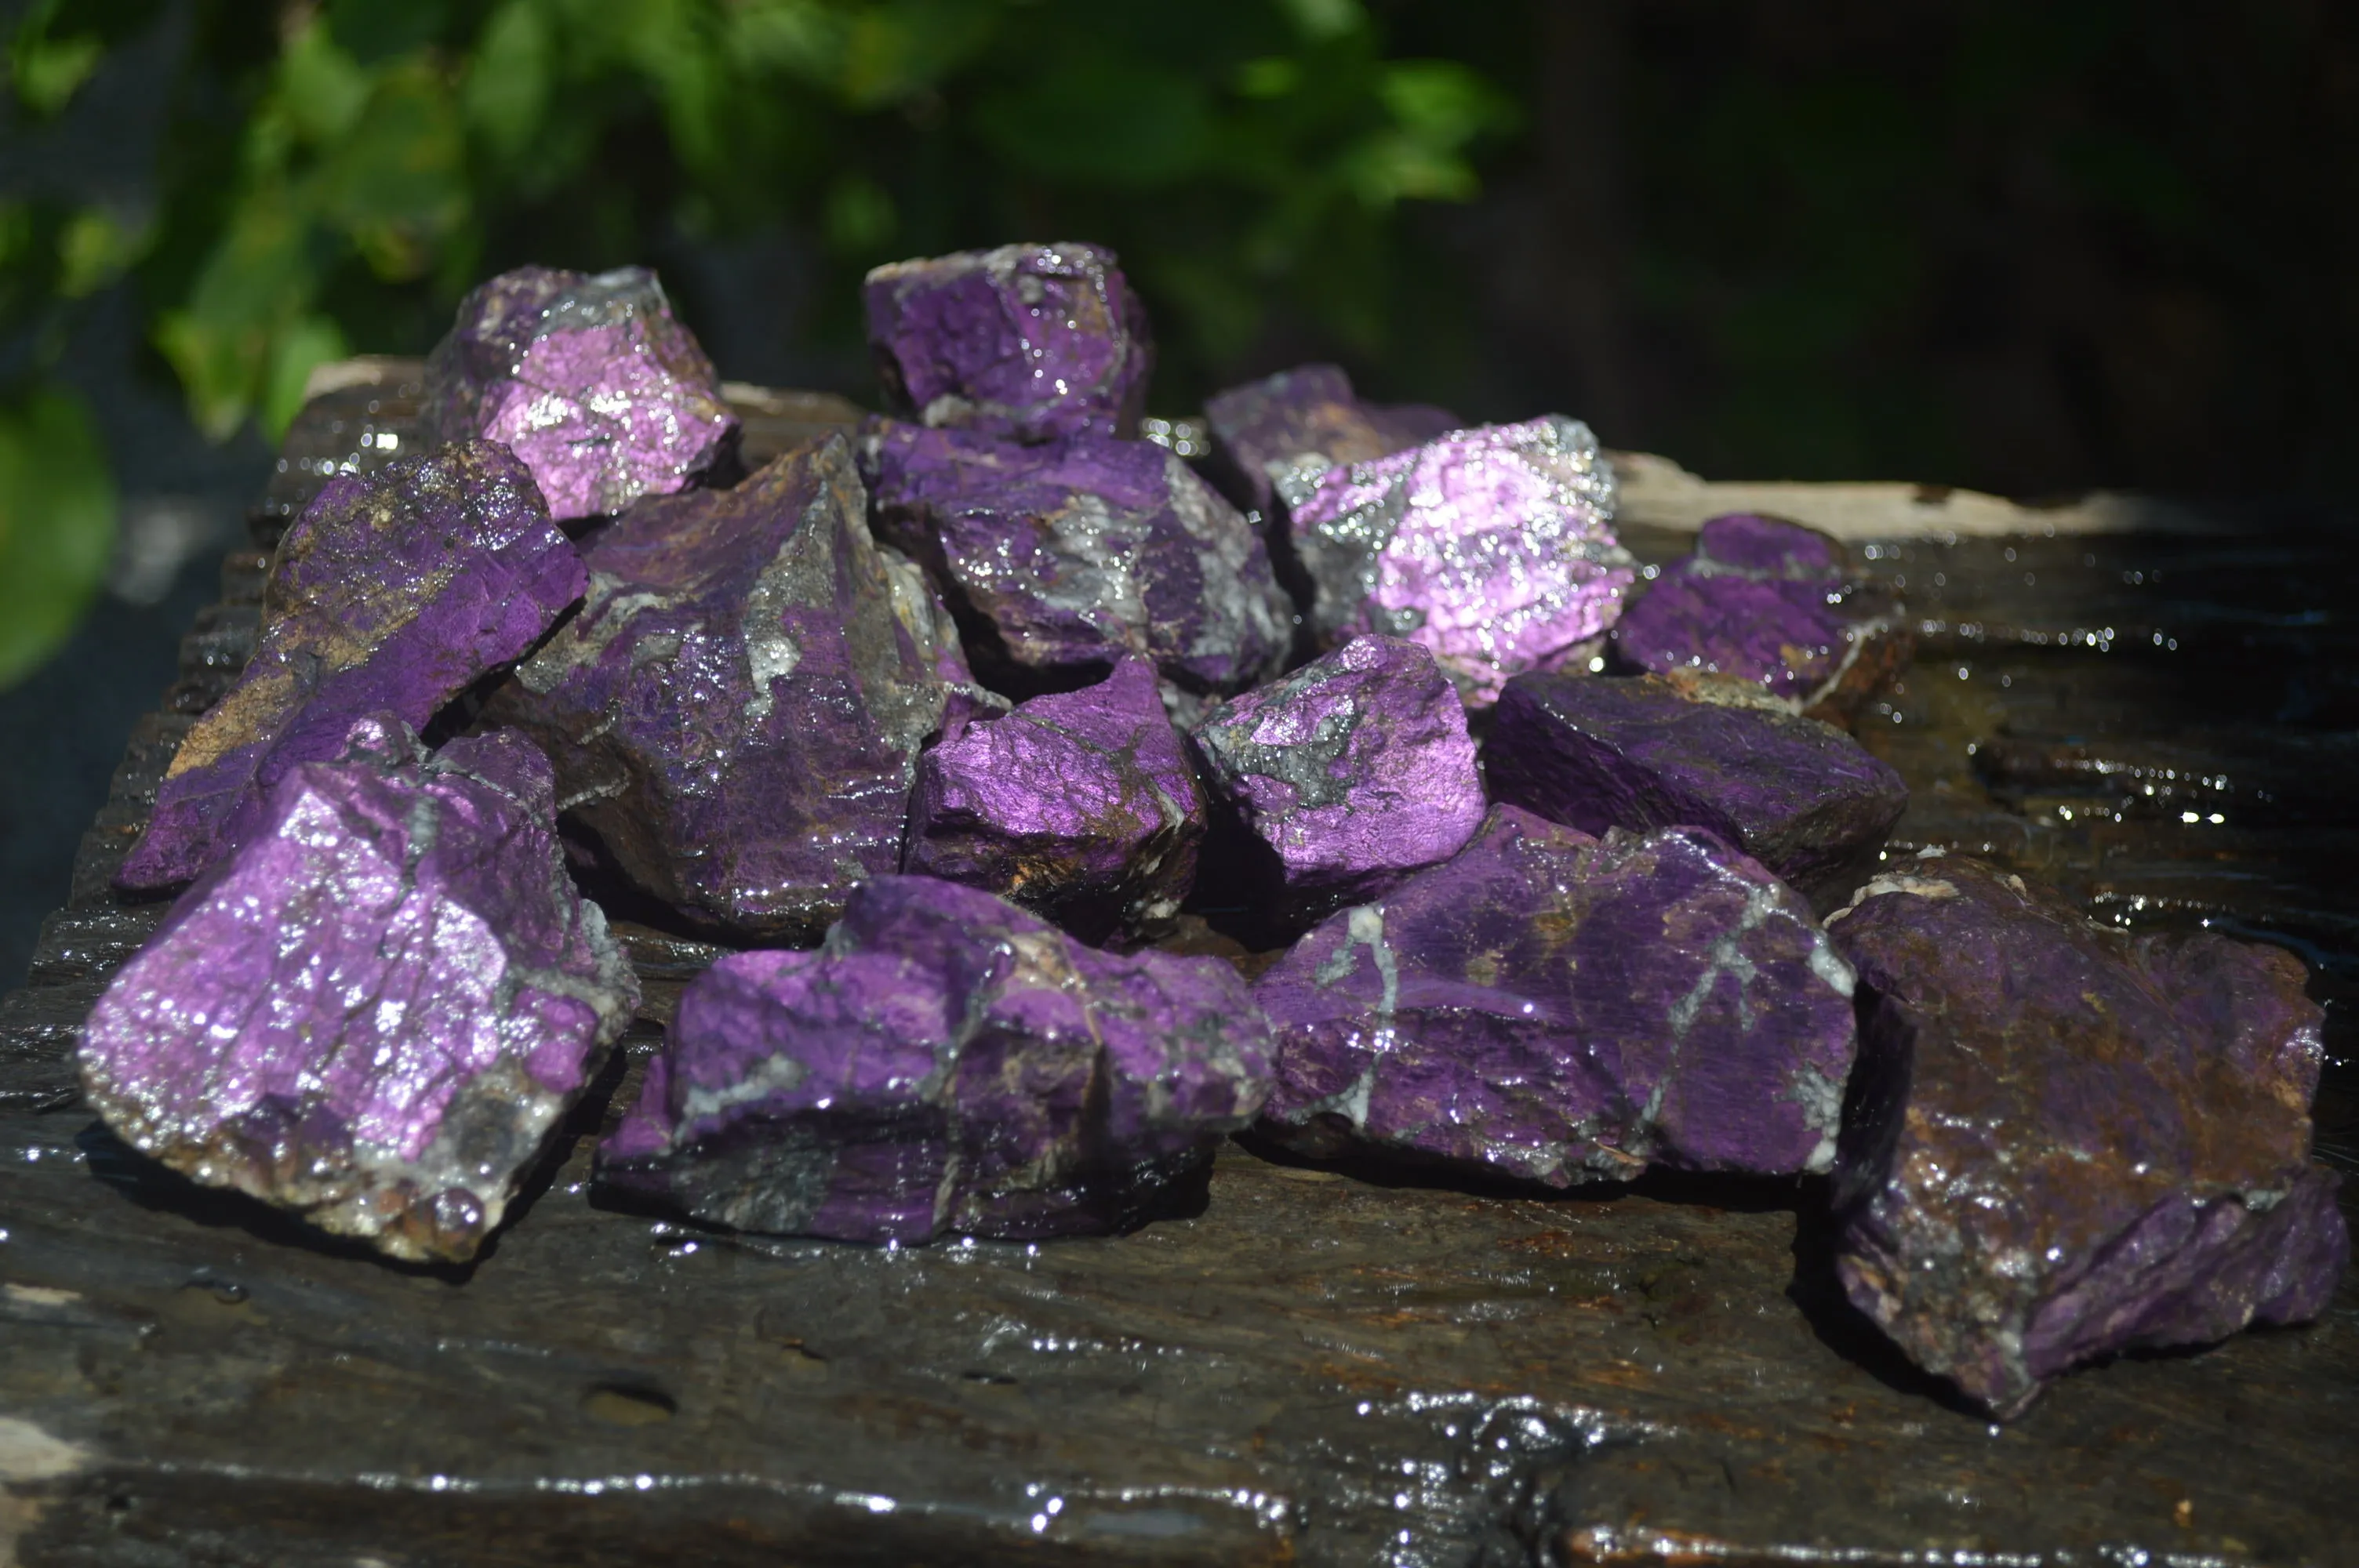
1493,547
1339,780
1550,1007
393,591
1032,343
588,378
1061,558
377,1009
1800,797
1765,601
735,715
1274,438
2067,1141
1081,805
945,1062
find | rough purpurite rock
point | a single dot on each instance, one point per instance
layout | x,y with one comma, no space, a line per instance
1335,782
1274,438
588,378
1061,558
2069,1141
1551,1007
1032,343
1769,601
1800,797
394,591
944,1064
377,1009
1080,805
735,714
1493,547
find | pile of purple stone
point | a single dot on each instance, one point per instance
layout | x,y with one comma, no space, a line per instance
964,728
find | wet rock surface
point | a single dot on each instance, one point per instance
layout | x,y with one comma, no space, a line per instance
2069,1141
395,591
1332,784
1032,343
375,1012
1765,601
736,712
588,378
1493,547
1800,797
945,1064
1616,1374
1274,438
1081,805
1551,1007
1059,559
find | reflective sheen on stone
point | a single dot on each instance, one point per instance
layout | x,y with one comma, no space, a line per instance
1338,780
1274,438
1080,805
735,715
1765,601
375,1011
1032,343
1800,797
945,1062
1493,547
394,591
588,378
2067,1141
1061,558
1554,1008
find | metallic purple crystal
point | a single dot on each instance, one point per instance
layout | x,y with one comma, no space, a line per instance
1274,438
1032,343
736,713
375,1013
1551,1007
1064,557
1343,777
2067,1141
946,1063
1081,805
1493,547
394,591
1771,601
1802,797
588,379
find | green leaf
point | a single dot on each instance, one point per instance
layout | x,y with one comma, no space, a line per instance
57,524
295,352
506,90
1102,119
860,218
1319,20
321,88
1442,102
260,277
395,183
46,71
95,248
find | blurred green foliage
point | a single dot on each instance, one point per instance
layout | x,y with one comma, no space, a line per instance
335,174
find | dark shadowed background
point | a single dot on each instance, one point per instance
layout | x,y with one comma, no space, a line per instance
2030,247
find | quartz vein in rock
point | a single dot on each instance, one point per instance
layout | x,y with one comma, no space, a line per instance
945,1062
394,591
374,1011
588,378
2069,1141
1551,1007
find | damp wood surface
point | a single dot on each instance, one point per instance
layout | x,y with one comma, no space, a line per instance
1297,1365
